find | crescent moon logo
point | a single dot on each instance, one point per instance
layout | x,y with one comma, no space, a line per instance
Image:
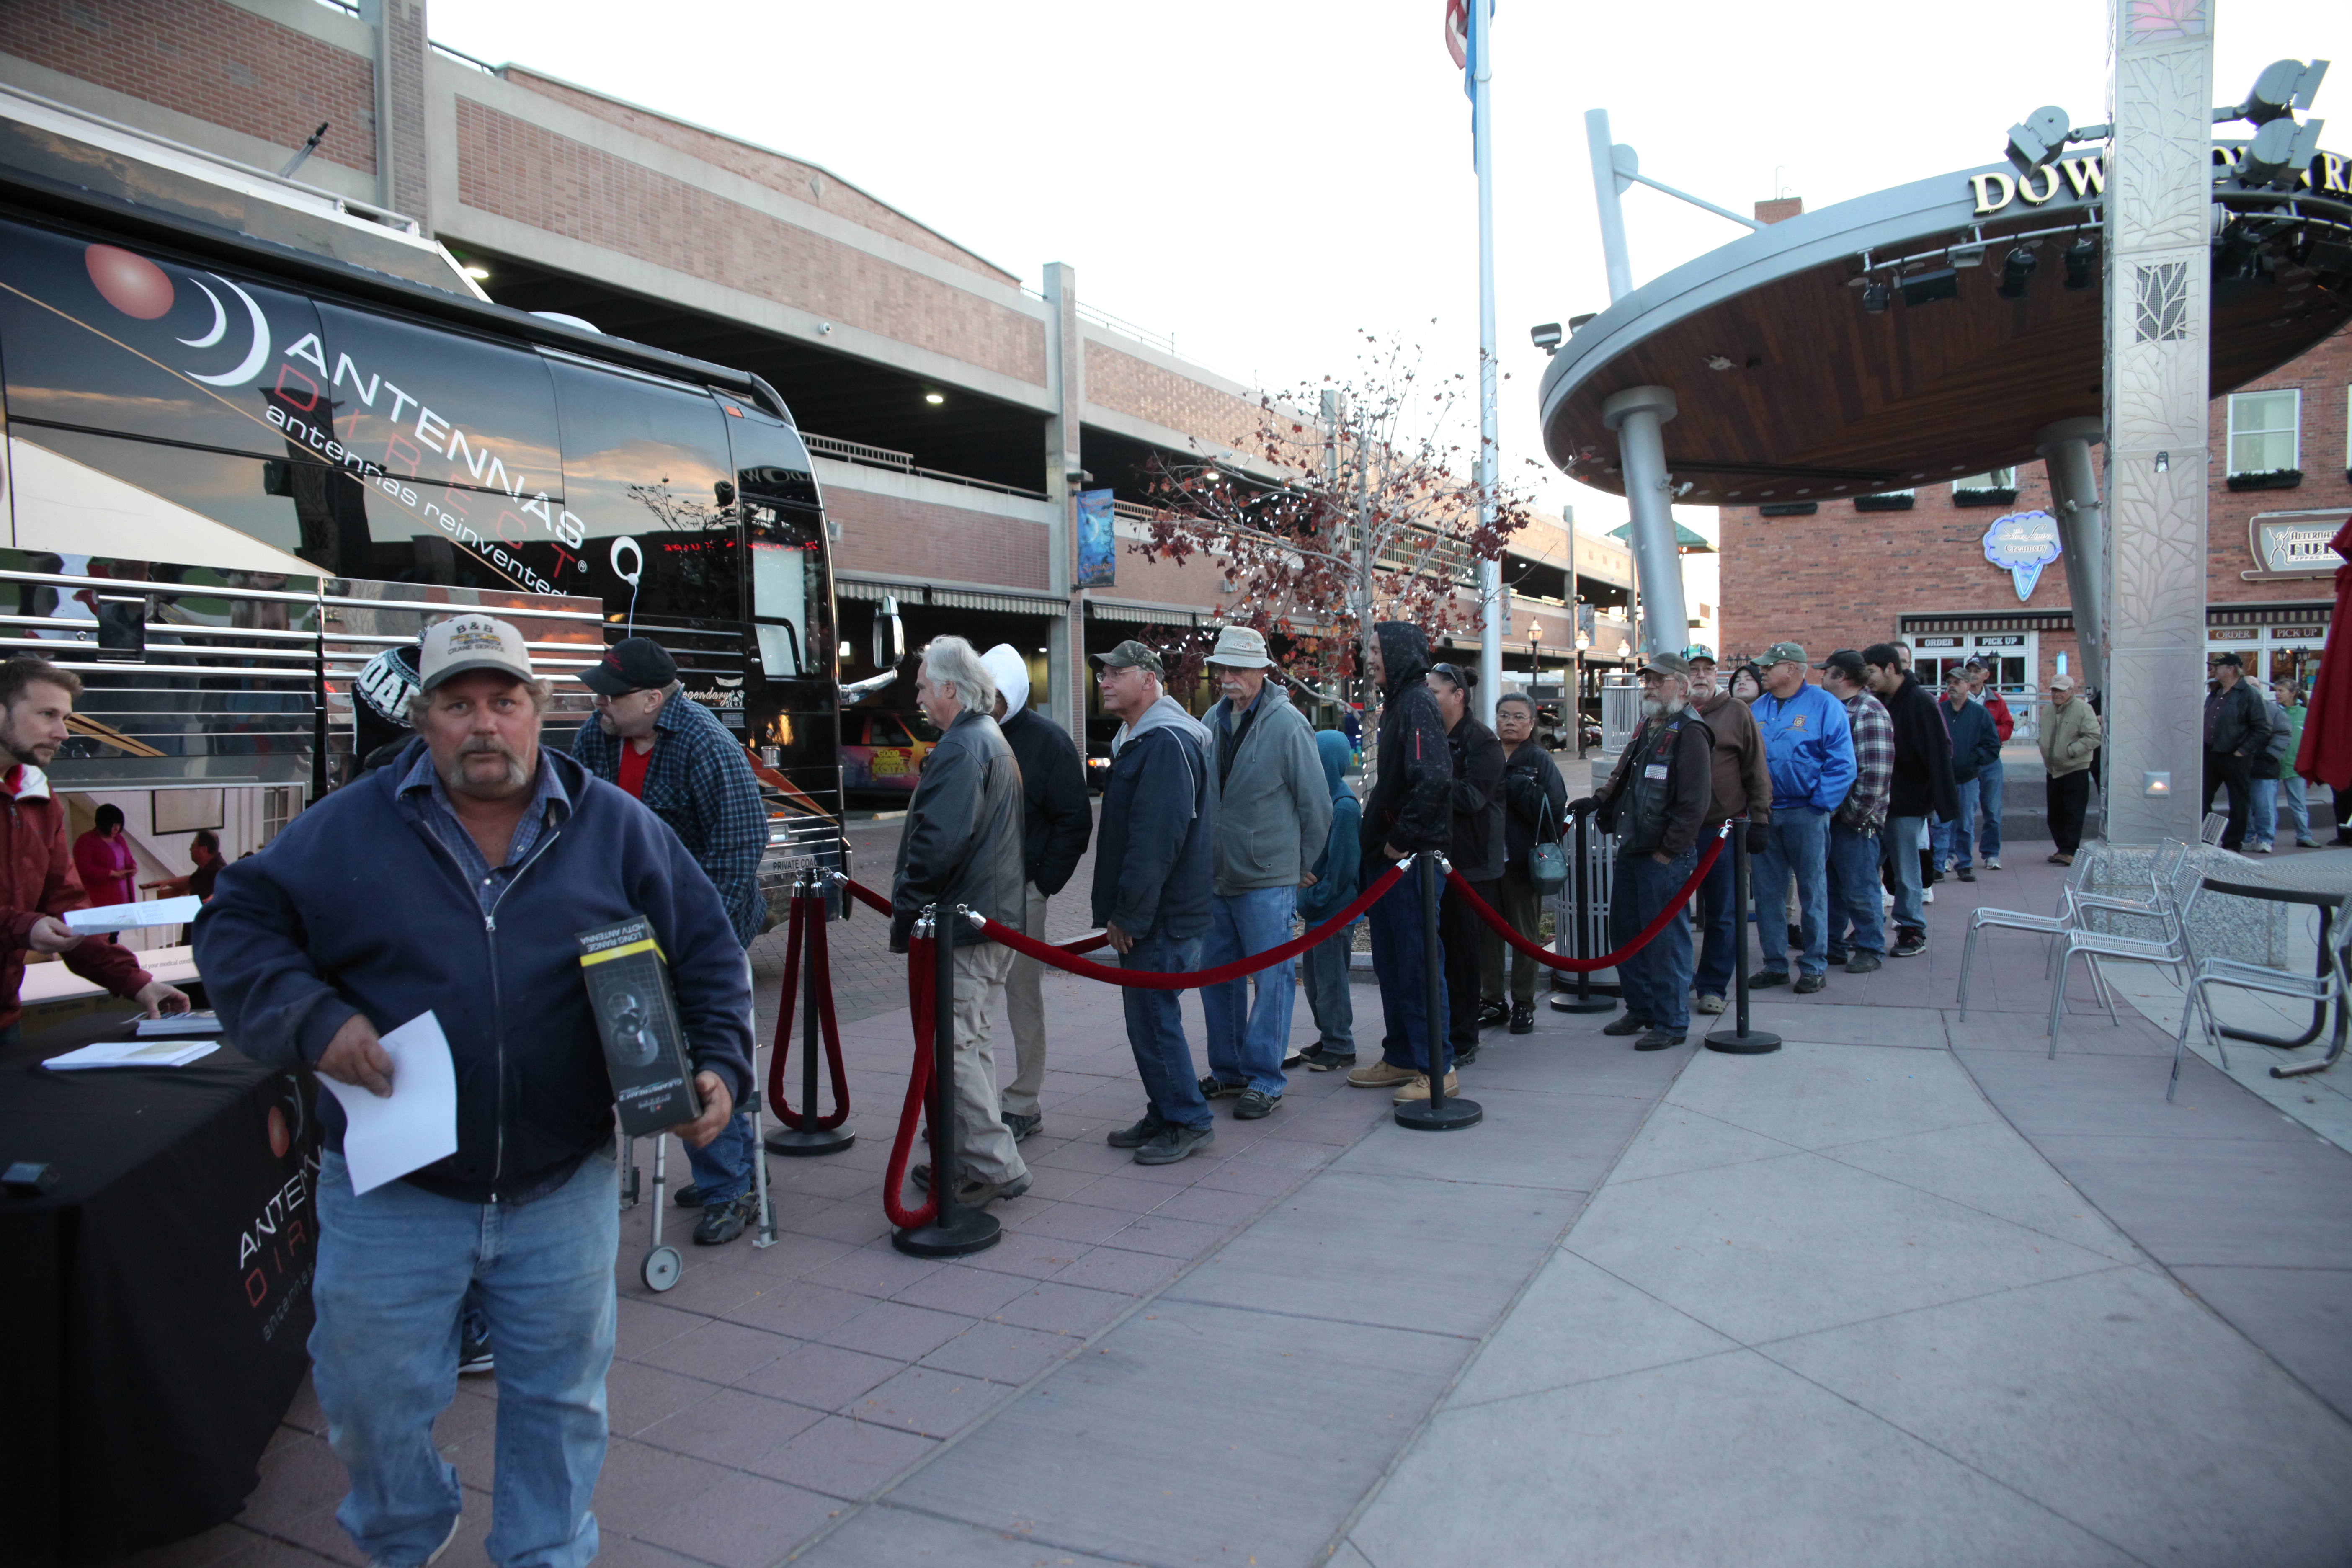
220,320
254,360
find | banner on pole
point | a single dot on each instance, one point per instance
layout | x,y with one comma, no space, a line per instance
1097,549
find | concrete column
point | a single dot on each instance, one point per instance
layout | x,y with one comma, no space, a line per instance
402,169
2066,450
2160,89
1637,415
1065,383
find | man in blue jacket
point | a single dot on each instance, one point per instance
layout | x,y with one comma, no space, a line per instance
454,881
1809,750
1976,745
1152,872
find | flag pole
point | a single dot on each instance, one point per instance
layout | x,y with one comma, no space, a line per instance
1490,571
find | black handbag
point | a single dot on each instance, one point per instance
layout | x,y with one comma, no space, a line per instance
1546,862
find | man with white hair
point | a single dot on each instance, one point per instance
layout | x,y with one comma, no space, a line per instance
452,885
1056,822
961,846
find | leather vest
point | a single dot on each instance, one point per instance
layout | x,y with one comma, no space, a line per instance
1649,787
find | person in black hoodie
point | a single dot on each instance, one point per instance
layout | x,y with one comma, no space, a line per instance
1922,786
1411,808
1057,820
1476,852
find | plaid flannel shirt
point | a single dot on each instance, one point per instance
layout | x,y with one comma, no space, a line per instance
698,781
1864,810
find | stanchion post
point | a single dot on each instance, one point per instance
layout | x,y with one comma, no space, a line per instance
1437,1113
1740,1041
953,1232
809,1137
1584,1001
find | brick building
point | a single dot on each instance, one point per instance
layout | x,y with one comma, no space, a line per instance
1836,574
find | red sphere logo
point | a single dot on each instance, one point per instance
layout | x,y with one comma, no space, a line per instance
132,284
280,1138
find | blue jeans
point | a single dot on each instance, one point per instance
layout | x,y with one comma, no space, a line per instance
1248,1039
1990,783
1956,841
394,1267
1654,980
1898,842
723,1171
1401,959
1854,921
1329,993
2292,803
1155,1032
1718,918
2261,816
1797,846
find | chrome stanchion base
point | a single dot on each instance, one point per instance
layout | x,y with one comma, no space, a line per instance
1732,1043
1450,1116
970,1231
811,1141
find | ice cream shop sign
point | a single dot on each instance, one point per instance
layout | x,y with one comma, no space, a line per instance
2294,543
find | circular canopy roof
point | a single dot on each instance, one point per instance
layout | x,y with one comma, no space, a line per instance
1789,388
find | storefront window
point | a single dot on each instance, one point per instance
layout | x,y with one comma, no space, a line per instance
2265,430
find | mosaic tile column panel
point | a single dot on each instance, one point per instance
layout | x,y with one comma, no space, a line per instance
2160,75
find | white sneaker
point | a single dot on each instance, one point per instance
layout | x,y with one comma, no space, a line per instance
1993,863
2258,848
1927,895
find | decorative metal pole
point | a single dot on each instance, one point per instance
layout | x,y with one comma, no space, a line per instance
1490,571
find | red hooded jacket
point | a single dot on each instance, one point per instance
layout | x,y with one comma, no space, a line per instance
38,869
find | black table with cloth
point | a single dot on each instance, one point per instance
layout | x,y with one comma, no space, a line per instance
156,1301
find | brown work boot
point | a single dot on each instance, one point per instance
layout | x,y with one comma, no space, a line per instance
1418,1087
1381,1075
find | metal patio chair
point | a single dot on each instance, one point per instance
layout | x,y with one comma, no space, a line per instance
2320,990
2216,824
2073,900
2171,951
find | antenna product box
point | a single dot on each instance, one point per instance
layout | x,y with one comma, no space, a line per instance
636,1018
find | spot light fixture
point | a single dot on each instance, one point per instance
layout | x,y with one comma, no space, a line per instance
2016,272
1874,297
2080,256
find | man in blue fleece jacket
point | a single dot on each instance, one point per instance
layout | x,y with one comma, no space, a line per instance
1809,750
455,881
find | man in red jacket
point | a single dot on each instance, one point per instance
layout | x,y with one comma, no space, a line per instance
36,697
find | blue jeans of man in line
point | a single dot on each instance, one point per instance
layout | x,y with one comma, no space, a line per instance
1956,840
2295,806
723,1171
1718,922
395,1264
1249,1036
2262,813
1324,968
1155,1032
1655,981
1989,784
1401,959
1856,924
1899,843
1797,845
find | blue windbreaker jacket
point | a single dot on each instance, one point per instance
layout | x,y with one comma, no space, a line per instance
1809,747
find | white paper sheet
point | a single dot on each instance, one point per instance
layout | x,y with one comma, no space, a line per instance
165,1053
417,1124
129,917
179,1026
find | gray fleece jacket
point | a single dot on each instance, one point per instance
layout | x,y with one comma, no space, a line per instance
1273,811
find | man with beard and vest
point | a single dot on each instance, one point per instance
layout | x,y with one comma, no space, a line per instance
1656,802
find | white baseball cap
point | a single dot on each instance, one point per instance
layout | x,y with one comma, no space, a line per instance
472,642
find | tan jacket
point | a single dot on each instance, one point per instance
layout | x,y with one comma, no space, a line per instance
1740,782
2070,737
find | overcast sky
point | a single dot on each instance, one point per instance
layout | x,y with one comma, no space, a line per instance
1261,179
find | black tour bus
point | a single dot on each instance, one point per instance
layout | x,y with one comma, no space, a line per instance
236,473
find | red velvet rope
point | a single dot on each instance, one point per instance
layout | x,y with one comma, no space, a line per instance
1153,980
880,905
808,910
1544,955
922,1000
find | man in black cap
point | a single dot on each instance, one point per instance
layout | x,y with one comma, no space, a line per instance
672,754
2237,735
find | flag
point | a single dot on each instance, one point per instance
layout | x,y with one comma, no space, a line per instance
1459,42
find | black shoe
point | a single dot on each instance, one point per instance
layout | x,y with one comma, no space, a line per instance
1659,1040
474,1356
1839,955
1137,1136
1808,984
1491,1014
1861,964
1965,874
1465,1056
1174,1143
1628,1025
1763,978
1019,1126
722,1223
1318,1059
1255,1104
974,1193
1523,1018
1908,944
1215,1088
688,1196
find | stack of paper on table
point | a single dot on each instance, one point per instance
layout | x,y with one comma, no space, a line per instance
165,1053
128,917
180,1025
